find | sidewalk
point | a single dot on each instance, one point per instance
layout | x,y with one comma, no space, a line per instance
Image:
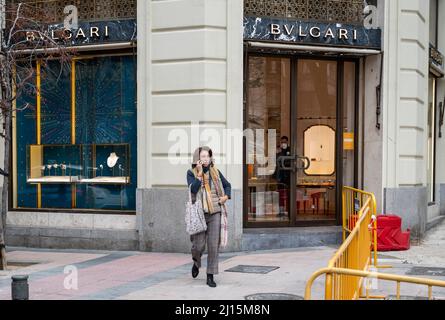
140,275
167,276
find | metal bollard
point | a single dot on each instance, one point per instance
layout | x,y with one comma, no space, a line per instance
19,287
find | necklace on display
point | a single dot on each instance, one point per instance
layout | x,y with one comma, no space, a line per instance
112,159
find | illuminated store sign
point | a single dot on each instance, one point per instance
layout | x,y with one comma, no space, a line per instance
90,32
285,30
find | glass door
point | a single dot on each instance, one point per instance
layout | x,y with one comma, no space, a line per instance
311,103
315,124
268,89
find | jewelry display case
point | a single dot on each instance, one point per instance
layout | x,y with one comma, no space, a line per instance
80,164
58,164
106,164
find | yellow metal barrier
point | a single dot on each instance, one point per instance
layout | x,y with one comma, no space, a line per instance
350,264
358,274
354,253
354,202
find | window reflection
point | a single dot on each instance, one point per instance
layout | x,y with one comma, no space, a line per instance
269,108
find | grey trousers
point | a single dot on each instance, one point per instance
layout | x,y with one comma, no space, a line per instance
211,237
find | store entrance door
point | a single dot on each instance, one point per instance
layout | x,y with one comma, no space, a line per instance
312,105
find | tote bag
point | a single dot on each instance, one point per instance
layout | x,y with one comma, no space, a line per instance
194,215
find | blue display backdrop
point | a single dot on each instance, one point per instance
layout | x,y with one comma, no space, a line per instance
55,127
311,33
25,135
105,122
106,115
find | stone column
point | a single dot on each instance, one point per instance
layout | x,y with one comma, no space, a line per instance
189,75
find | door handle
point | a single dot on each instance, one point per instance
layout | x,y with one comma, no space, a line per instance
307,162
281,163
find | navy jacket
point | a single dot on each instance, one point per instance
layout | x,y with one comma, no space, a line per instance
196,183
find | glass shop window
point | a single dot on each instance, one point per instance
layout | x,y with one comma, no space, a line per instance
431,156
74,147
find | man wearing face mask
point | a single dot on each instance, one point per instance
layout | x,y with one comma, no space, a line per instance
283,176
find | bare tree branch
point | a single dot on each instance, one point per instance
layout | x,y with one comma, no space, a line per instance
18,55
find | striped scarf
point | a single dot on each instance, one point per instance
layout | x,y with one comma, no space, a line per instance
206,197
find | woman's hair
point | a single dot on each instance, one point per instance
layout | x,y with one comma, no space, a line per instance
197,153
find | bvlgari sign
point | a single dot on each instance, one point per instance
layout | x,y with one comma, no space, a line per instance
314,33
73,33
90,32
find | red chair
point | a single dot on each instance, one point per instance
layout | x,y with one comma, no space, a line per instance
316,200
284,201
302,198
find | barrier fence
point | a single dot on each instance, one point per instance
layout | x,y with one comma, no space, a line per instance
348,269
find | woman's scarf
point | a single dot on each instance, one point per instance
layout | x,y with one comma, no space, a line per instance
207,200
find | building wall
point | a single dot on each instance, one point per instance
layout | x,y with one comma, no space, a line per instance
189,70
72,230
371,147
371,137
405,111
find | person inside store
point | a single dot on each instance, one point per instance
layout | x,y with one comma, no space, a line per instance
282,175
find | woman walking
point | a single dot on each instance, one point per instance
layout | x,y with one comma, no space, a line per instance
215,190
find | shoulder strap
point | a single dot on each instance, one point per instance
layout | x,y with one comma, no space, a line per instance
190,193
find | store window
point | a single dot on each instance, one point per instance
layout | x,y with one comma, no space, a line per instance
431,176
436,71
75,145
269,108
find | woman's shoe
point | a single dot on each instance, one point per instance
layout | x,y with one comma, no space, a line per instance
195,271
210,281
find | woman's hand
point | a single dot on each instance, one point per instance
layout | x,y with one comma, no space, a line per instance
199,168
223,200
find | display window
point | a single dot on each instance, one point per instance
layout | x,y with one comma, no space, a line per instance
74,140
